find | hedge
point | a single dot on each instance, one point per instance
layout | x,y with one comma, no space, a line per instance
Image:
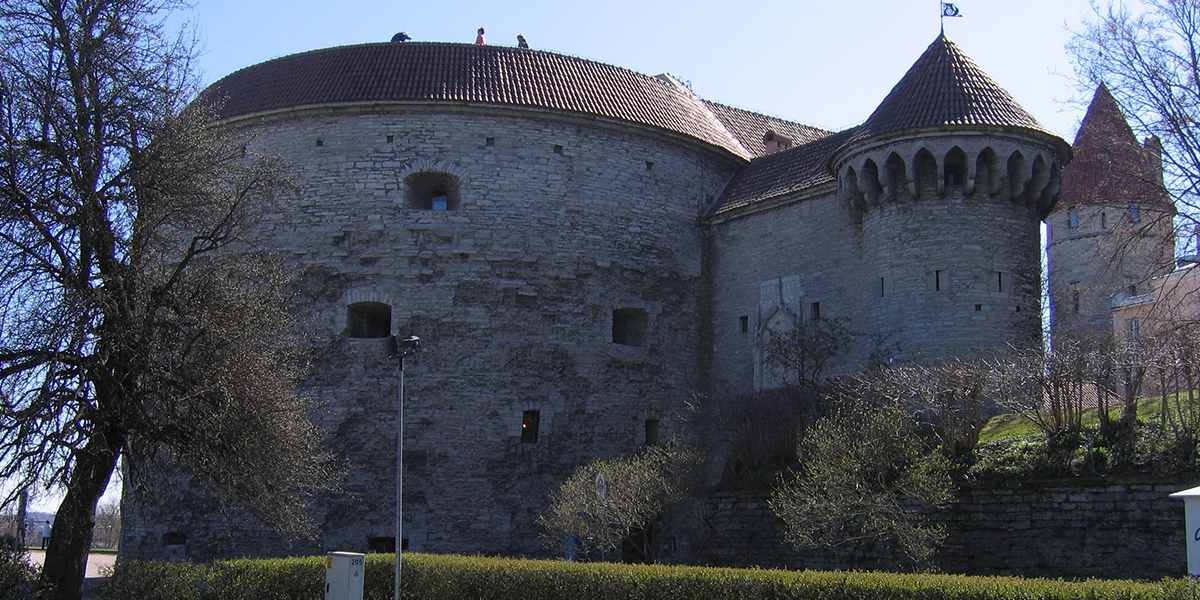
445,577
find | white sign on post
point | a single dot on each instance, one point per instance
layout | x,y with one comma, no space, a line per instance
1191,518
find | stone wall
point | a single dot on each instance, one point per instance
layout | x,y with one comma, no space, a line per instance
559,222
1118,530
1099,258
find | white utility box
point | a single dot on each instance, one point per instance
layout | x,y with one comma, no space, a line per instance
1191,519
344,576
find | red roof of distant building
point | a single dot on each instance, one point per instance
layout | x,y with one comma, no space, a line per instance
1110,166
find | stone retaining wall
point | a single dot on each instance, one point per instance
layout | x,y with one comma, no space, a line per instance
1130,530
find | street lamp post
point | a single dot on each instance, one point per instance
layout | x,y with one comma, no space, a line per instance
400,349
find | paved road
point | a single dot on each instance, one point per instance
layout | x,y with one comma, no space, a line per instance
98,564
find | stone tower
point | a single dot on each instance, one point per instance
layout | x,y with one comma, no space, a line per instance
1112,231
946,183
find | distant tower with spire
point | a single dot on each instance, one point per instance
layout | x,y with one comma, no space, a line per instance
1112,230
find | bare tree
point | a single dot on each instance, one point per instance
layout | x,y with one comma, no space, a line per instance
804,351
951,399
108,525
137,317
1148,57
607,503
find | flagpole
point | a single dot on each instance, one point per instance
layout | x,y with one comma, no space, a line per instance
941,18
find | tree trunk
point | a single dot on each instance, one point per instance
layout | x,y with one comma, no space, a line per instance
66,557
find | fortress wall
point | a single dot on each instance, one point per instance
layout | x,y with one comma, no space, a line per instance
773,263
959,275
1105,254
1076,531
560,223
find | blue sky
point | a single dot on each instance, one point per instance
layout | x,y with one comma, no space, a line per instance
823,63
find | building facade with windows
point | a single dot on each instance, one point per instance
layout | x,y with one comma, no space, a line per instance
1112,233
581,248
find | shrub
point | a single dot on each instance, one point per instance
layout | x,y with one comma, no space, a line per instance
16,573
431,577
155,581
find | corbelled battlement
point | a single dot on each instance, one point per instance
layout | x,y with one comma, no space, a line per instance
978,167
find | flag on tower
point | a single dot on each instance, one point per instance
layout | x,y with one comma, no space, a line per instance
949,9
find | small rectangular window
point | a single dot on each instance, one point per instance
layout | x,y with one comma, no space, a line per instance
744,324
629,326
651,432
174,538
1103,220
381,544
1135,329
391,138
320,142
814,311
937,280
558,149
649,165
978,308
882,288
490,141
529,426
1075,301
1133,290
999,281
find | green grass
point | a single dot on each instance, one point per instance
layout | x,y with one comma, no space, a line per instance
1011,426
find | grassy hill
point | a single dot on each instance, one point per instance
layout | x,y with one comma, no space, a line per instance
1009,426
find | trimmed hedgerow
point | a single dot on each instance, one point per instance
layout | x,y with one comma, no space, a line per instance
440,577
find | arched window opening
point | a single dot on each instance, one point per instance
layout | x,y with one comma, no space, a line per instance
926,173
1039,178
956,169
985,172
1016,171
896,180
853,196
430,190
369,320
870,179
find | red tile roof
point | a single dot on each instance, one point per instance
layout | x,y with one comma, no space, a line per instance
945,88
1110,166
784,172
466,73
749,127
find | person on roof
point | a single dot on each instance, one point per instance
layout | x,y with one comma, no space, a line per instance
521,43
479,41
400,37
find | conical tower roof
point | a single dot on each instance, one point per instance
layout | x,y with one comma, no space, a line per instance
1110,166
945,88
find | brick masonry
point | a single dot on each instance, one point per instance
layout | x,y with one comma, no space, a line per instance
1118,530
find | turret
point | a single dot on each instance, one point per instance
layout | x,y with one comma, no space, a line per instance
1112,231
947,182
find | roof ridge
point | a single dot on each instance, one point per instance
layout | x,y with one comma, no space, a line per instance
766,114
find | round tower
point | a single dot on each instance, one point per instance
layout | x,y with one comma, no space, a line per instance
947,182
1113,230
